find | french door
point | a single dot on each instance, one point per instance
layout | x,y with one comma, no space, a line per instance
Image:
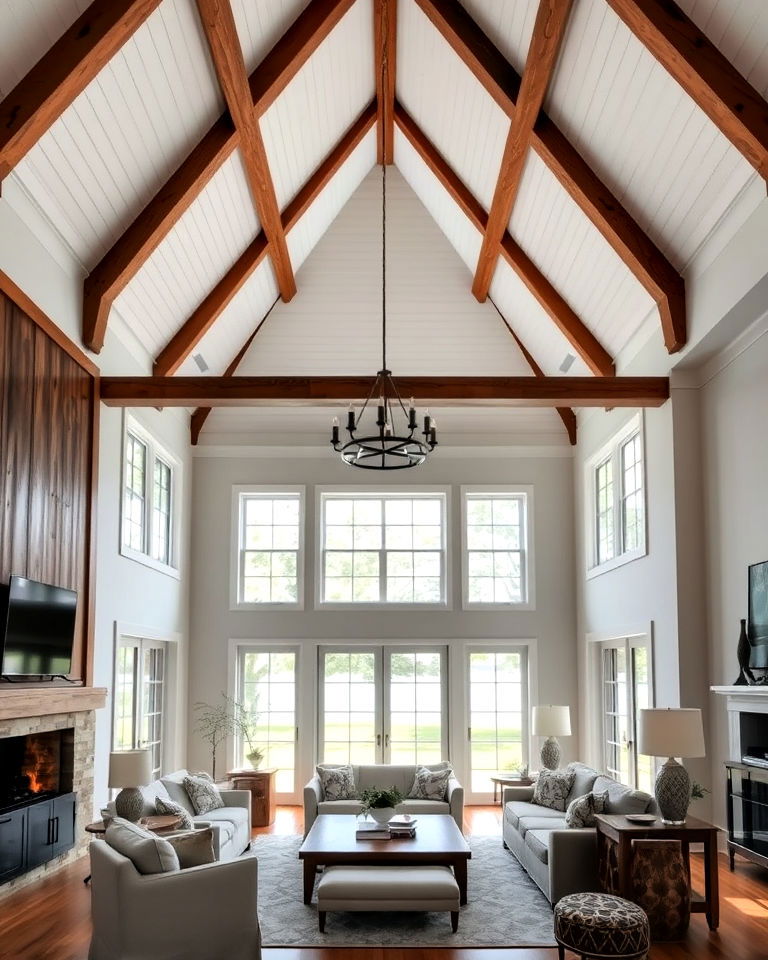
139,701
383,704
625,677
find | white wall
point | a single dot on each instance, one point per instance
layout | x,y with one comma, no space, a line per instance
213,625
126,591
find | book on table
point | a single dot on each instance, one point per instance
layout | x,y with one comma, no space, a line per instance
372,831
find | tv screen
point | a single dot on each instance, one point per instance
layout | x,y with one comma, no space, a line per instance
40,629
757,613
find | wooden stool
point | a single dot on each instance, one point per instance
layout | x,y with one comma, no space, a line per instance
600,925
661,885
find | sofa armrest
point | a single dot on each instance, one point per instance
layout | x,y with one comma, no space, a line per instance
516,793
236,798
455,798
572,862
313,794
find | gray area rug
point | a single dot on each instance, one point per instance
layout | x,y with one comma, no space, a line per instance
505,907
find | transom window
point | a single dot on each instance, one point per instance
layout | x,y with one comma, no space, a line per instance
495,528
378,548
269,546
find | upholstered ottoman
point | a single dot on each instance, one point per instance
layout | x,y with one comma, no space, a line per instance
388,889
601,925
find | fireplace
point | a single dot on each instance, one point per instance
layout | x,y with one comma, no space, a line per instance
35,767
753,737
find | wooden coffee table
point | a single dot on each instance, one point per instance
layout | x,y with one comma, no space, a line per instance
331,842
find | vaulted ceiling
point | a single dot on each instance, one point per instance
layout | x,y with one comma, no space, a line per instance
575,157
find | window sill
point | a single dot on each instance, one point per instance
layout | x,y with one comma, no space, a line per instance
246,607
319,605
501,606
147,561
619,561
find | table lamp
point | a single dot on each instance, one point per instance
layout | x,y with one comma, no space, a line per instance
130,769
671,732
551,722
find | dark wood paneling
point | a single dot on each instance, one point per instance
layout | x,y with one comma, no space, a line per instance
46,466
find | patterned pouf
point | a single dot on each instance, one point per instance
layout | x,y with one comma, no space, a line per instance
601,925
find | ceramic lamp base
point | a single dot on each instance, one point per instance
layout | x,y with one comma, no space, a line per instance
550,754
129,804
673,792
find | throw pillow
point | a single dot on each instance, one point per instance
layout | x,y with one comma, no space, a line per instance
194,848
147,852
171,808
581,811
338,783
552,788
203,794
430,784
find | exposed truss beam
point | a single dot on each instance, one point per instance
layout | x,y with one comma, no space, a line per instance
189,335
219,27
39,99
385,46
112,274
330,391
576,332
628,239
729,101
546,39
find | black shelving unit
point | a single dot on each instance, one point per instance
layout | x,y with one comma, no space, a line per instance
747,812
35,833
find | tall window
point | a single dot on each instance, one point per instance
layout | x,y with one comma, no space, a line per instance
495,531
378,548
625,678
150,475
269,542
616,485
139,699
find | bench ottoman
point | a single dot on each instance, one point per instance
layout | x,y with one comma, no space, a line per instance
599,925
371,888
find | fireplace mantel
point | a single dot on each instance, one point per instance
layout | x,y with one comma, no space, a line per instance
758,692
32,701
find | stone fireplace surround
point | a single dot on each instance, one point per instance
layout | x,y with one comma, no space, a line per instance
57,709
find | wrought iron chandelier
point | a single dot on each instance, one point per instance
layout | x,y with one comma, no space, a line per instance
394,444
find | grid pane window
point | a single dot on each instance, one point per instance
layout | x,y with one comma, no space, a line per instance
139,698
615,708
618,509
161,512
270,538
124,694
383,549
632,493
148,500
415,707
349,721
604,493
134,512
625,675
268,693
496,696
495,537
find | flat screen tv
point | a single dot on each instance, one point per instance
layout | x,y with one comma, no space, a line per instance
757,613
39,629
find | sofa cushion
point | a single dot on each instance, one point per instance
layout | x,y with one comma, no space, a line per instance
337,781
516,809
621,798
166,806
340,806
415,807
174,785
552,788
146,851
537,842
430,784
193,848
525,824
226,819
583,781
581,811
385,775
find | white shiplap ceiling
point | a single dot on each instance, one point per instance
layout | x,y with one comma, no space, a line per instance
97,167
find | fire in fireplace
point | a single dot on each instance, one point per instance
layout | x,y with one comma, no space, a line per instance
35,766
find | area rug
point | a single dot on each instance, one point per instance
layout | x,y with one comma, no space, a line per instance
505,907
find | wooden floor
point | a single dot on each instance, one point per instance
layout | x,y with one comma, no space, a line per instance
50,920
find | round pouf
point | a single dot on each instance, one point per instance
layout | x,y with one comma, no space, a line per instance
601,925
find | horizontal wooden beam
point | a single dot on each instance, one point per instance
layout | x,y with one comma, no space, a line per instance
712,82
575,331
599,204
40,98
330,391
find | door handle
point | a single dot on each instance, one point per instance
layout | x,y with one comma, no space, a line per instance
56,835
49,837
7,820
386,739
378,739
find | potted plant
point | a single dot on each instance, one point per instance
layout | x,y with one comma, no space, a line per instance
380,803
244,722
214,724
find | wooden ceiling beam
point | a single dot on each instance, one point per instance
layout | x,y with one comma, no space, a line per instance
601,206
330,391
573,328
221,32
730,102
546,40
40,98
385,47
127,255
194,329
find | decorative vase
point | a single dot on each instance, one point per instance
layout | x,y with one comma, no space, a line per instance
550,754
382,814
673,792
255,759
743,653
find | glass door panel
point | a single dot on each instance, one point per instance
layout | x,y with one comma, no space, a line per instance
140,698
268,693
641,689
350,713
626,680
414,706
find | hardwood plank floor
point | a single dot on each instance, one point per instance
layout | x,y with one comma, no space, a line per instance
50,920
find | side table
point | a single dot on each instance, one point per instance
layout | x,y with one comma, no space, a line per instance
501,780
261,783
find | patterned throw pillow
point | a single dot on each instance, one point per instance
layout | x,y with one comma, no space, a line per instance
552,788
338,782
581,811
169,807
430,784
203,794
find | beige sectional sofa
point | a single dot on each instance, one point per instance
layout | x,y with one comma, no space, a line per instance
383,775
559,859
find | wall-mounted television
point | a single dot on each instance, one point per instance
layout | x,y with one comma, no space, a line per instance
757,613
39,629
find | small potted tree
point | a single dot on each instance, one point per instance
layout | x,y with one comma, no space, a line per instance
380,803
